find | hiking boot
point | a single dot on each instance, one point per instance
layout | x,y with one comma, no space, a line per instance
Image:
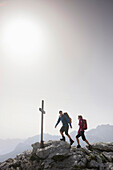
89,147
71,141
78,146
63,138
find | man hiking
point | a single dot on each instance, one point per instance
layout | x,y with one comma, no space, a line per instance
65,121
81,132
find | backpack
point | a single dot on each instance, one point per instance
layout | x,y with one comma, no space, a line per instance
66,114
84,124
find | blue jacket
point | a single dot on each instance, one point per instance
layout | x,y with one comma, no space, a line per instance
64,119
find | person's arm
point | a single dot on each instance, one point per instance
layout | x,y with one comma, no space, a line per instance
57,122
68,120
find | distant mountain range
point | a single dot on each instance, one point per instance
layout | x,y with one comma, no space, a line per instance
8,145
24,145
103,133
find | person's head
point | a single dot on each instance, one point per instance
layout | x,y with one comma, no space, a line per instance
61,113
79,117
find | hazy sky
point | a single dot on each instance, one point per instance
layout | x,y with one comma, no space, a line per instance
60,51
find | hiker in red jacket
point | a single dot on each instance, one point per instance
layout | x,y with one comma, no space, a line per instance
81,132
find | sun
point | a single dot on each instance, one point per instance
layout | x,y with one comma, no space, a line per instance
22,39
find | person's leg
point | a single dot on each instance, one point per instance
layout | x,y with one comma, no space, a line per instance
89,146
68,136
84,138
87,142
77,141
66,132
77,138
61,132
71,140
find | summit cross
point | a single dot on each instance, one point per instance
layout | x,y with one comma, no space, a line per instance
43,112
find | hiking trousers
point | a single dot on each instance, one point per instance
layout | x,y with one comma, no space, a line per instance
65,129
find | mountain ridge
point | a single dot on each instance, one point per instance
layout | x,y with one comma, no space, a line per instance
92,136
59,155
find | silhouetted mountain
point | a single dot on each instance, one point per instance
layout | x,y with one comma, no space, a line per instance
102,133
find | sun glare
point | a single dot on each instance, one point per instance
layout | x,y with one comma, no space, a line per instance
23,39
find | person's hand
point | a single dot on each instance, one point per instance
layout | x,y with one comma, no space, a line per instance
71,126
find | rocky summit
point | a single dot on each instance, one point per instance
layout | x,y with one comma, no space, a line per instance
58,155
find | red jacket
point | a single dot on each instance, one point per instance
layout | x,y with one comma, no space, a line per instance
80,126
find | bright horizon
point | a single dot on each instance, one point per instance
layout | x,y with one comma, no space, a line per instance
59,52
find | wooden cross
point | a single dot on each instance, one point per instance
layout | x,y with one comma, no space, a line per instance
43,112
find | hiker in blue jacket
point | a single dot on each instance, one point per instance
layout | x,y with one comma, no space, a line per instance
66,122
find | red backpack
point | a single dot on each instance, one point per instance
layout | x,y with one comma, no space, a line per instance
84,124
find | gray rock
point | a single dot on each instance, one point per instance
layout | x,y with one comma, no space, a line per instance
109,166
43,153
3,164
58,155
52,148
108,156
108,147
35,146
93,164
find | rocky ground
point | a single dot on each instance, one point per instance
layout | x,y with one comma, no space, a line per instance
59,155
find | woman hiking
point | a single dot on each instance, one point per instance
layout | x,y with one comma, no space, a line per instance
81,132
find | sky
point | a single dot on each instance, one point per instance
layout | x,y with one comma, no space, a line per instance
60,52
